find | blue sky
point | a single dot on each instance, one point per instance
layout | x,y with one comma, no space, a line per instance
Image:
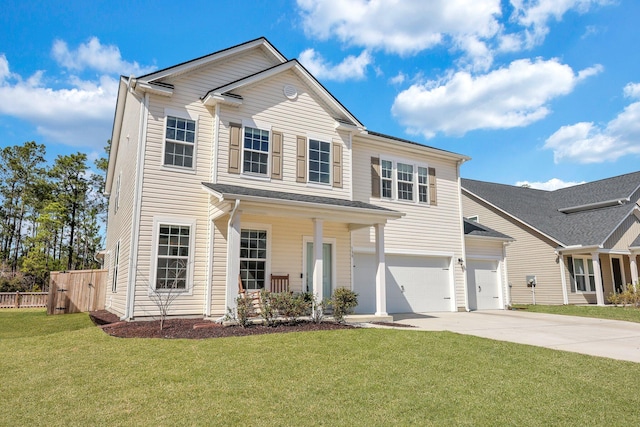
539,91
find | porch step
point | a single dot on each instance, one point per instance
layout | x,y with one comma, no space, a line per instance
366,318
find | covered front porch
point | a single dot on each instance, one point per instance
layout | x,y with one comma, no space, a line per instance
592,274
256,234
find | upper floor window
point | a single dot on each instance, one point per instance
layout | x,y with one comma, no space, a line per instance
423,184
256,151
387,179
319,161
117,195
405,181
180,139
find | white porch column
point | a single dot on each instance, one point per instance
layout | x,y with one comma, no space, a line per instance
598,278
381,281
233,258
563,277
317,259
633,261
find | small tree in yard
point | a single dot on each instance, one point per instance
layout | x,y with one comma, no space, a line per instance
169,287
343,301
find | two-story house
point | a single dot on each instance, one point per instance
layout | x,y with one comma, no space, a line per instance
240,165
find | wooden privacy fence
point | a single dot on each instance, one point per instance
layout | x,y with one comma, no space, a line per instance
76,291
23,299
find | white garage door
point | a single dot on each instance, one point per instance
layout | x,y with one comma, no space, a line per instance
414,283
484,285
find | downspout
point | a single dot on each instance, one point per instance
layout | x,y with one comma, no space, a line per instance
216,143
232,217
137,207
505,275
464,248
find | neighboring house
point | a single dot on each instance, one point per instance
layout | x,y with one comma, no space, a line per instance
240,164
578,244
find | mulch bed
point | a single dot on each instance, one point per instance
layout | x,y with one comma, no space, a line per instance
196,328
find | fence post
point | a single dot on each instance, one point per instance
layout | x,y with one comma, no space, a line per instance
17,300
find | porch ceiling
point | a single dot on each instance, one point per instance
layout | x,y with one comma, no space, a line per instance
282,204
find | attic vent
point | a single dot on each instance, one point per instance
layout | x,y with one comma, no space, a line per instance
290,91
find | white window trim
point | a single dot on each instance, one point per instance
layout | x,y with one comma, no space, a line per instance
394,180
117,195
267,265
186,115
321,138
334,270
260,125
153,265
116,263
586,260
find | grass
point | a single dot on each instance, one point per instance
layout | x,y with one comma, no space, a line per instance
61,370
628,314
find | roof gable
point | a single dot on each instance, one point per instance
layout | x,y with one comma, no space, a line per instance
225,93
591,221
184,67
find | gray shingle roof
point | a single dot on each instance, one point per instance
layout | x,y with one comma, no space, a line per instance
540,209
294,197
472,228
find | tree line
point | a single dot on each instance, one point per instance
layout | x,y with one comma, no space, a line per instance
50,214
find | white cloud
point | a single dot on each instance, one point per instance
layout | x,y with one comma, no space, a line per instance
79,113
586,142
96,56
402,27
398,79
534,15
632,90
351,68
515,96
474,28
552,184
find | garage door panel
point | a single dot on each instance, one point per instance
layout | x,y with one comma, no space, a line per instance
484,285
414,283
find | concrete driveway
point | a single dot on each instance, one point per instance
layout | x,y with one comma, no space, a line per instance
597,337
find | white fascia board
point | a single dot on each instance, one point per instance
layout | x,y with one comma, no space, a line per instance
416,147
497,239
145,86
573,249
216,98
562,245
115,133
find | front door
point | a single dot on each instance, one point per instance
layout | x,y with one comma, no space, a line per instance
618,281
327,269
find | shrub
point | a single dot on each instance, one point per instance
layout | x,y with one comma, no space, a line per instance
290,306
317,308
629,296
244,310
343,301
267,310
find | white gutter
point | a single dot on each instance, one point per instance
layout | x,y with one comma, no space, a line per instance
462,237
137,207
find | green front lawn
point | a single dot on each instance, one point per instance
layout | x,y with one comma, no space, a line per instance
607,312
61,370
